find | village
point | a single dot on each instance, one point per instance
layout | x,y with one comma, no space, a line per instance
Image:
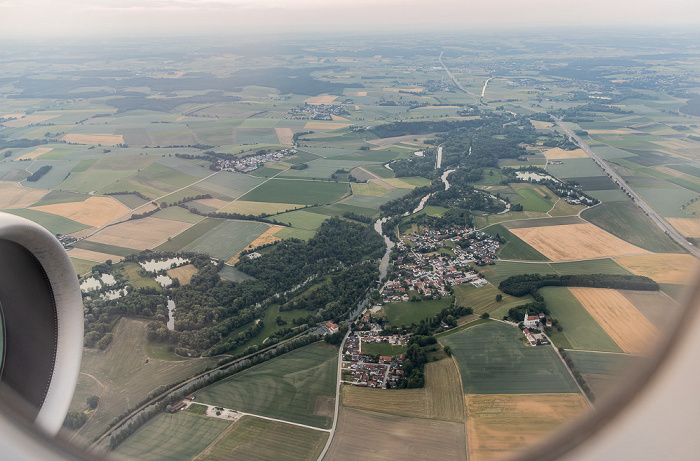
317,111
253,162
420,267
371,370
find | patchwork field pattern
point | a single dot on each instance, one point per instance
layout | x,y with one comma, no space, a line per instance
140,234
619,318
667,268
38,152
94,139
500,424
95,211
575,241
228,239
183,273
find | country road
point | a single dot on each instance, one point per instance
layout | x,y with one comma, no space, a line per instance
655,217
454,79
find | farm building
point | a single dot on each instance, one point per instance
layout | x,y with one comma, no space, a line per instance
531,320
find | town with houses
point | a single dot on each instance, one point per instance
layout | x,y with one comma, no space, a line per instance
252,162
368,370
422,269
317,111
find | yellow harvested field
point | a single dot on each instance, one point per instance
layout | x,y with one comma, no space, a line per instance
689,227
213,202
183,273
246,207
357,93
562,154
570,242
321,99
84,138
140,234
29,120
39,151
441,398
95,211
325,125
338,118
540,125
285,136
90,255
661,268
501,424
370,188
12,195
619,318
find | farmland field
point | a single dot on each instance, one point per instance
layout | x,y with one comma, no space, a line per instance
628,222
301,219
286,387
604,372
484,299
297,191
591,266
441,398
140,234
82,266
534,197
54,223
227,239
661,268
580,328
395,437
93,256
127,377
95,211
256,208
183,273
383,348
193,233
660,309
177,213
515,247
259,439
619,318
406,313
178,436
502,424
493,359
103,248
575,241
13,195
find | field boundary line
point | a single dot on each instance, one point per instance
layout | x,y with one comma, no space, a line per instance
590,404
464,404
337,398
207,450
94,412
264,417
603,352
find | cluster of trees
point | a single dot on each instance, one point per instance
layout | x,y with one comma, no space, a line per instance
133,192
584,109
357,217
389,130
39,173
577,374
520,285
300,166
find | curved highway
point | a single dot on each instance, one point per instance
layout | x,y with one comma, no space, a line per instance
653,215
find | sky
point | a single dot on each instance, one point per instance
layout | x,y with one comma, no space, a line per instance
52,18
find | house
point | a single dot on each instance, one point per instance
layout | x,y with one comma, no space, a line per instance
531,320
177,406
332,327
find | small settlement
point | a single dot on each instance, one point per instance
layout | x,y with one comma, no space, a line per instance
420,267
368,370
317,111
532,323
252,162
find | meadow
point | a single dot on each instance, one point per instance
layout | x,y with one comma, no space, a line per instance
407,313
297,191
227,239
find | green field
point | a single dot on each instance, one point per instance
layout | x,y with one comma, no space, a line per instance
178,436
185,238
130,200
401,313
232,274
177,213
104,248
628,222
532,199
493,359
667,201
54,223
575,168
229,185
92,180
263,440
286,387
55,197
291,232
380,170
580,328
227,239
593,266
82,266
484,299
301,219
298,191
382,349
515,248
604,373
131,271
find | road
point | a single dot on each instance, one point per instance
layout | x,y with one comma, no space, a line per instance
337,398
454,79
658,220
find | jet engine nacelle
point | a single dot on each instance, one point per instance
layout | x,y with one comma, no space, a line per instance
42,321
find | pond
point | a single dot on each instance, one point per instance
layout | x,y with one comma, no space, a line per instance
90,284
155,266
